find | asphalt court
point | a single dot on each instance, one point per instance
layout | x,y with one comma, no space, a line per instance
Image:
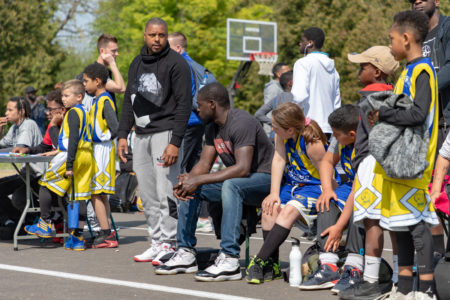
48,271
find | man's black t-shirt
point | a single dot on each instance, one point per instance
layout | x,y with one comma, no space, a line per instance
241,129
430,47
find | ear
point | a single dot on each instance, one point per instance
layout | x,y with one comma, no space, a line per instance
436,2
377,73
407,37
352,133
98,81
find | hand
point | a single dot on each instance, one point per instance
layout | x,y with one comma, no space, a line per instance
187,185
68,174
57,118
3,121
122,148
21,150
50,153
434,196
373,117
177,194
107,58
271,202
324,200
170,155
334,237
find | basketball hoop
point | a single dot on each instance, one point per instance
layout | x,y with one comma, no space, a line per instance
265,60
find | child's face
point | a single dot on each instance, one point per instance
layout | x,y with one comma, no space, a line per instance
367,74
70,99
397,45
281,132
344,138
89,84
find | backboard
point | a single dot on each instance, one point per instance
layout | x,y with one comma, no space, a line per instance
248,36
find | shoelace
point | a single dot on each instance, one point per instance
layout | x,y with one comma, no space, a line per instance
220,259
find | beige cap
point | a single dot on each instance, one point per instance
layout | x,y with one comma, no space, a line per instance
379,56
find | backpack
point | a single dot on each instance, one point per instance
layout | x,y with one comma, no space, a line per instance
126,188
199,72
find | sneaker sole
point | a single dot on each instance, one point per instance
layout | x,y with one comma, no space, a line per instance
176,271
255,281
323,286
142,260
41,236
219,278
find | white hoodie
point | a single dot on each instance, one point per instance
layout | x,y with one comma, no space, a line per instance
316,87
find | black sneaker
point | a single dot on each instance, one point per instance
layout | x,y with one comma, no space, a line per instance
272,270
365,290
254,272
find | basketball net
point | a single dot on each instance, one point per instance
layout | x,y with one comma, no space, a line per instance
265,60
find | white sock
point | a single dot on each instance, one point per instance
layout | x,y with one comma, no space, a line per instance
328,258
371,268
355,260
395,270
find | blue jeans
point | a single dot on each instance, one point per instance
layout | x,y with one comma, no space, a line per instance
233,193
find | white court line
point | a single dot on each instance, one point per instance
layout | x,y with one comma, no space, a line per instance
131,284
304,241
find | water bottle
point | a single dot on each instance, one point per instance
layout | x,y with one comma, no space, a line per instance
204,81
295,263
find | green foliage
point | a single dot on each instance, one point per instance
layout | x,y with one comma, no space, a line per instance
350,26
28,54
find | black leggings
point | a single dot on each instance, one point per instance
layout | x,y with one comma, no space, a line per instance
46,198
417,238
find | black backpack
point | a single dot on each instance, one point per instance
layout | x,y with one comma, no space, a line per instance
126,189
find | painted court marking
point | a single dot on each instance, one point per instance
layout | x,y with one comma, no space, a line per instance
304,241
124,283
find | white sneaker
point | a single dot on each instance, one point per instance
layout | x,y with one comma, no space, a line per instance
204,226
423,296
149,254
183,261
224,268
164,250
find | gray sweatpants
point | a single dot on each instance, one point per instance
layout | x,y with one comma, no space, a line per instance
156,185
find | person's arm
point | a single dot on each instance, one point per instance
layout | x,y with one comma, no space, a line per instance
54,135
203,166
111,119
271,92
335,232
300,85
74,128
315,152
261,113
326,169
7,141
41,148
117,84
337,97
240,169
272,201
417,114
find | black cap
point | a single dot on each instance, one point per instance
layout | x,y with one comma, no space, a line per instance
30,89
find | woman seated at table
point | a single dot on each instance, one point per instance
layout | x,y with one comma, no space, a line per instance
24,132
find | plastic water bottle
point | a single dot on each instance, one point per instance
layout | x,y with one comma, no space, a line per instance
204,81
295,262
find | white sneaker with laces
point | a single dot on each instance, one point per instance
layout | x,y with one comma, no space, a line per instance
165,249
204,226
149,254
183,261
224,268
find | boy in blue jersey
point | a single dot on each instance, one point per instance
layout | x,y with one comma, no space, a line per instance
405,205
104,130
335,206
73,162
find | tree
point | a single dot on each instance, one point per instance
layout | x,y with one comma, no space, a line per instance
29,54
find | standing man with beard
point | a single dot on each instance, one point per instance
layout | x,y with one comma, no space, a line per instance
157,102
437,47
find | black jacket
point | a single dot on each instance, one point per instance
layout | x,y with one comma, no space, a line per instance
158,95
443,75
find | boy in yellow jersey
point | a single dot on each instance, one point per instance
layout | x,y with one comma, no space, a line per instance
73,162
405,205
104,129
